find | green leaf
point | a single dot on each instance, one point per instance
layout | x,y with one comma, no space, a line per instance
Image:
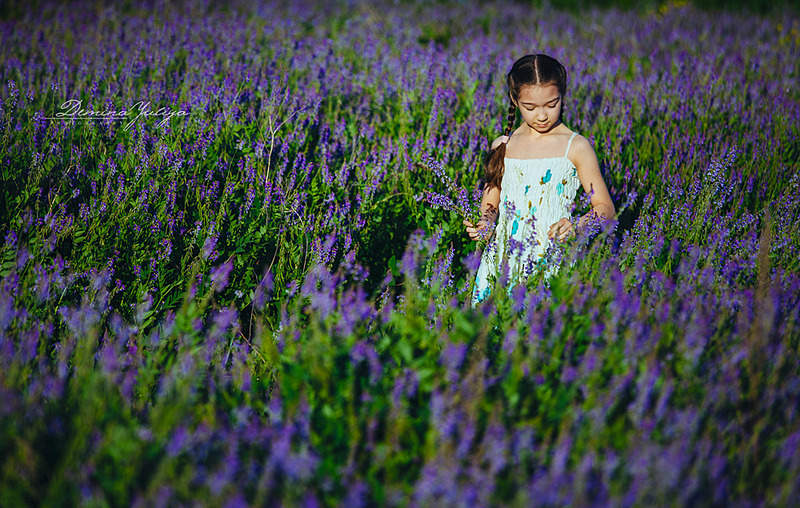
405,350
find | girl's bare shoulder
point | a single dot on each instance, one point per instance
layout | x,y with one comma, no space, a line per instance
581,145
498,140
582,153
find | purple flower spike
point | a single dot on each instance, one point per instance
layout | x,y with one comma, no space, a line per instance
219,275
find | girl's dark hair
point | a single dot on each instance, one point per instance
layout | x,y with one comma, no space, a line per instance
535,69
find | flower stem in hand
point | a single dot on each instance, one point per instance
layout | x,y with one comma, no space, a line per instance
482,231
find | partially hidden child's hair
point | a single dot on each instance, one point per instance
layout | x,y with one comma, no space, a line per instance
538,69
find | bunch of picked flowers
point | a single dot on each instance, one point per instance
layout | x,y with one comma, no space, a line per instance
459,200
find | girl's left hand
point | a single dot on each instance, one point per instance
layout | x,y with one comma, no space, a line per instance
561,229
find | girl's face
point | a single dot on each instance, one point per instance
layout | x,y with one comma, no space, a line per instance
540,106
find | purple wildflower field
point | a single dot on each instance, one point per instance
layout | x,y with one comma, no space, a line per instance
234,272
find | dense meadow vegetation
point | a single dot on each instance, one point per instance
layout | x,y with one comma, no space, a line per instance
259,303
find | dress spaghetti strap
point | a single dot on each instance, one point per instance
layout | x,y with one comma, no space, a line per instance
569,143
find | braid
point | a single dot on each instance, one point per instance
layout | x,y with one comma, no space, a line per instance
512,114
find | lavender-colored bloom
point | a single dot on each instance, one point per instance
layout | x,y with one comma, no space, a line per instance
357,494
510,341
452,356
791,444
224,318
518,295
472,261
569,374
219,275
6,310
310,501
236,500
177,441
363,350
209,246
495,445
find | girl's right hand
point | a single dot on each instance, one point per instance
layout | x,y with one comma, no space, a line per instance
475,232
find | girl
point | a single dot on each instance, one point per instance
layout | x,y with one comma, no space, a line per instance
534,171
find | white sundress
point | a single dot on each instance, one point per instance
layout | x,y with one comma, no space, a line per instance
534,194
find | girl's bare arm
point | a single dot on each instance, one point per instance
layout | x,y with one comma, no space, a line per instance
591,179
490,201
